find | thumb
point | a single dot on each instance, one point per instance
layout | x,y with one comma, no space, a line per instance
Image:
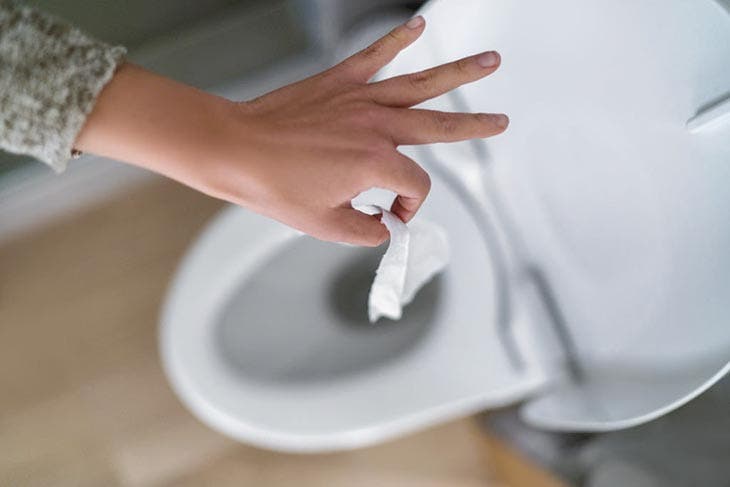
355,227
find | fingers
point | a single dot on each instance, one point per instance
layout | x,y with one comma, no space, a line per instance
415,126
405,177
399,174
355,227
363,65
411,89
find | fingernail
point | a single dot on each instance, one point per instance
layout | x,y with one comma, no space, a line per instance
488,59
501,120
415,22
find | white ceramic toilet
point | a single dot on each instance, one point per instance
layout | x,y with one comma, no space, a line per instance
590,269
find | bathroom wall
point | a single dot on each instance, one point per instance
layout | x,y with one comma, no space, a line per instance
176,38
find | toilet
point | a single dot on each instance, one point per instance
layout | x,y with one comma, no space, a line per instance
590,273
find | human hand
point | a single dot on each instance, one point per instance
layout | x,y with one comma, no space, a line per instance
301,153
314,145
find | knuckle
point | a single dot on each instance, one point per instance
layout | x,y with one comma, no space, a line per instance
421,81
394,36
339,70
483,120
426,183
447,123
423,182
374,50
462,66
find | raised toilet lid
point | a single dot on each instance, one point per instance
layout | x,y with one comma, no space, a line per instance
615,177
265,336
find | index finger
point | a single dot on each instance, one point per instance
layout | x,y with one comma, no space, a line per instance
363,65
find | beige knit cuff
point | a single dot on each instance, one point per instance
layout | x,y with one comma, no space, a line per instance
50,76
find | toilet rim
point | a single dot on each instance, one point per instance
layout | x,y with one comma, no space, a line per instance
281,440
266,239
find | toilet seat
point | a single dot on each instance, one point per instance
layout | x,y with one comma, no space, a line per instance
605,325
422,385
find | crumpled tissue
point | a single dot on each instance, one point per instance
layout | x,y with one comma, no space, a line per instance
416,253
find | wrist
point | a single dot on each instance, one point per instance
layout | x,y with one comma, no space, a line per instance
238,163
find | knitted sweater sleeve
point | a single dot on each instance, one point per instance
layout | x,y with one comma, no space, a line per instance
50,76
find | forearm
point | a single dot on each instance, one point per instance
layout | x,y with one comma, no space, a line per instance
157,123
299,154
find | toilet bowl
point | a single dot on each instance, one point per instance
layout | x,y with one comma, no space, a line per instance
266,337
590,270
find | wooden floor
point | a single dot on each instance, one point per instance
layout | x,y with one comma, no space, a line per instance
83,401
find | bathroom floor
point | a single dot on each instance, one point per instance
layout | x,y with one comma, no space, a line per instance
84,401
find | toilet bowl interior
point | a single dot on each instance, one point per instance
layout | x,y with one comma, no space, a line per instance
622,209
317,329
265,336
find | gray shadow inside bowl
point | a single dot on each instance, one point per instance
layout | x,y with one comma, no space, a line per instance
302,317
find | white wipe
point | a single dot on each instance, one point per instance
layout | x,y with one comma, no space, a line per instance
415,254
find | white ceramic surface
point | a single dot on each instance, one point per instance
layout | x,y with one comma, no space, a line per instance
623,208
604,189
257,343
